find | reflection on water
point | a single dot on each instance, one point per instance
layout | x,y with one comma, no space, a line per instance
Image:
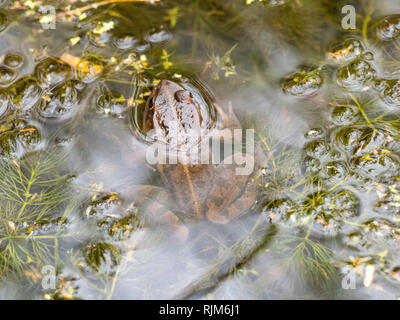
78,197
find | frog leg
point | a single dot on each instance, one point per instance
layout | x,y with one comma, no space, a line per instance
189,186
231,195
229,119
153,201
236,208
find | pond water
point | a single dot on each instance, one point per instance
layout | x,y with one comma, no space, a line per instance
86,214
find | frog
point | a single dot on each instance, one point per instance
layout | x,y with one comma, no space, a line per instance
193,190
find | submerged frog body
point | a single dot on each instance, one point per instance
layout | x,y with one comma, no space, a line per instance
193,191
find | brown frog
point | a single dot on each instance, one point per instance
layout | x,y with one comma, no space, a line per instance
193,190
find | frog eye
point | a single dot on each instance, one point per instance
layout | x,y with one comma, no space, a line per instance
183,96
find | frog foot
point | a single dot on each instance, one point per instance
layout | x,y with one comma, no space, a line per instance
232,194
153,201
235,209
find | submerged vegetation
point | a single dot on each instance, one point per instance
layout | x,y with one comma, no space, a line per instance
323,101
35,199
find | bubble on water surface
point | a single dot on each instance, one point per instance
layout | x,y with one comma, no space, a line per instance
377,231
100,40
124,42
61,102
311,165
13,60
122,228
329,209
317,149
112,106
361,140
6,76
344,115
101,257
103,204
280,210
142,46
52,71
158,36
349,137
347,50
26,93
303,83
389,28
356,75
89,69
377,166
389,91
20,139
315,133
334,172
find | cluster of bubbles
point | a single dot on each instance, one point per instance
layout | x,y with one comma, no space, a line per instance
18,134
51,93
388,198
356,72
111,102
324,210
115,223
138,42
361,74
358,153
377,232
348,157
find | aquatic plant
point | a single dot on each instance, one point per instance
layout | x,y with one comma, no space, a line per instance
307,261
34,205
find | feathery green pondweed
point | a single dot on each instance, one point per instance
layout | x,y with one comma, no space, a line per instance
34,194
